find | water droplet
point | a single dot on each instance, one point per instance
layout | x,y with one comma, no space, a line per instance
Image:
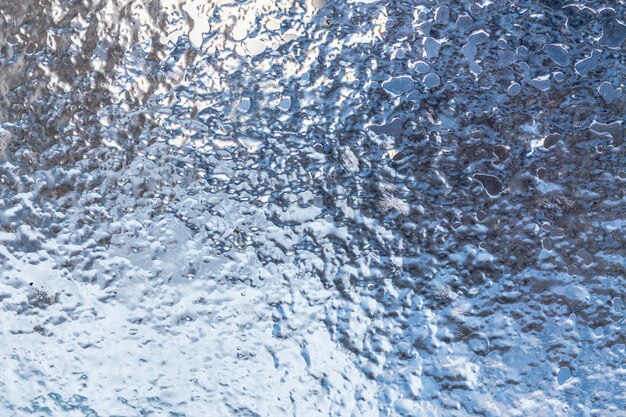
285,104
514,89
563,375
244,105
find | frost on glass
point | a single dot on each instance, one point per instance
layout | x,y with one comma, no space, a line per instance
312,208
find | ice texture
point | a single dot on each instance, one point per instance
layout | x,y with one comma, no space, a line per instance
312,208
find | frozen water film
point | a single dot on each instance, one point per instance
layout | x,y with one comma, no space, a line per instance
349,208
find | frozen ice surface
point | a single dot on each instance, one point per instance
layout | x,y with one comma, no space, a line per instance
312,208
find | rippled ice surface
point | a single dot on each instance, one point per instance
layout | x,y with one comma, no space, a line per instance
312,208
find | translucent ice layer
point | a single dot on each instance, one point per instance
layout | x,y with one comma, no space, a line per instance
312,208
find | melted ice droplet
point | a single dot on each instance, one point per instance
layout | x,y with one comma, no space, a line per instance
285,104
431,48
432,80
491,183
584,66
442,14
558,54
478,37
613,130
255,47
464,22
399,85
239,32
563,375
541,83
421,67
245,104
514,89
608,92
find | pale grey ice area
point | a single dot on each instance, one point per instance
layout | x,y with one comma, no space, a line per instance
267,208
